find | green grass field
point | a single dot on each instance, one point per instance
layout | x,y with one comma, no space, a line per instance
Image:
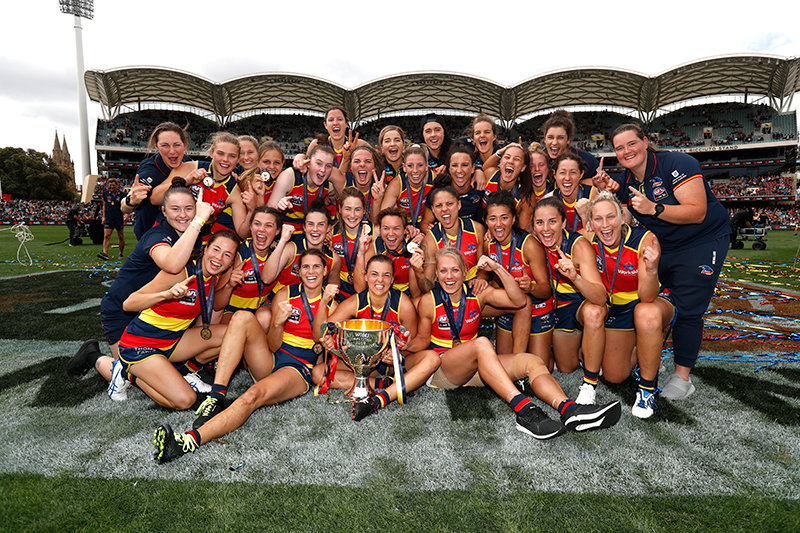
726,459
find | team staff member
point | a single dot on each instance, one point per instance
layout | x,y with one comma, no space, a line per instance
381,302
639,311
668,195
166,247
281,377
170,140
112,217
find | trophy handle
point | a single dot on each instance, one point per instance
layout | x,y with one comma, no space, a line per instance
399,377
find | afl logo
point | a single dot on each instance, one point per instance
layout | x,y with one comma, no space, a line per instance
294,318
403,203
190,298
297,199
296,269
493,257
249,276
706,270
443,323
338,248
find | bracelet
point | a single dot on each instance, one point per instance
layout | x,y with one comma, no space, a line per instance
199,221
198,228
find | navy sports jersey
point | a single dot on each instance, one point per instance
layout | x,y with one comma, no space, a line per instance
137,271
152,171
666,172
112,203
590,162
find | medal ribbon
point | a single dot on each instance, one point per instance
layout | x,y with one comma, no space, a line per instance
455,323
206,304
512,252
256,267
306,306
305,193
613,280
386,306
350,259
414,207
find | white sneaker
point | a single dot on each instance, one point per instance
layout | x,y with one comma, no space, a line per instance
197,384
118,386
644,405
586,395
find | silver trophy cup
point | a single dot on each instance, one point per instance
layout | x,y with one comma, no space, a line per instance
362,345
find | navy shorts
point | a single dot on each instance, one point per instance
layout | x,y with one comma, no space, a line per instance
301,359
114,224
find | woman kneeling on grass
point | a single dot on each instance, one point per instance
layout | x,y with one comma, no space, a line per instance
640,311
451,315
162,332
280,377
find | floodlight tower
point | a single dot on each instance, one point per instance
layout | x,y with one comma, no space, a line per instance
84,9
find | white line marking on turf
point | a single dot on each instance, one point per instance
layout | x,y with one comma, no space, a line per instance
86,304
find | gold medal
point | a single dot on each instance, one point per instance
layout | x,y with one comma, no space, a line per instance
350,277
456,343
205,333
317,348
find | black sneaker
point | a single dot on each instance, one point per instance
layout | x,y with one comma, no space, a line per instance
592,417
365,407
524,386
538,425
102,256
170,445
210,408
78,366
207,374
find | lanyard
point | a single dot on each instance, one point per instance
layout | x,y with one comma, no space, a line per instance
557,277
350,259
446,237
256,267
512,252
414,207
602,251
306,305
386,306
305,193
206,304
456,324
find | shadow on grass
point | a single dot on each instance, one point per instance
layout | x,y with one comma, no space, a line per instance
58,389
761,395
470,403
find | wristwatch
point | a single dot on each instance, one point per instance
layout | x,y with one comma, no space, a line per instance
659,210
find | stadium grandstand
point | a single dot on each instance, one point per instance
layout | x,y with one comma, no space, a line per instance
730,112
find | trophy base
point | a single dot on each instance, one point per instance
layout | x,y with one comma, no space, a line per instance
361,389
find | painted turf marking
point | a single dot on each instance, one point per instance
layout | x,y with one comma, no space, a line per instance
86,304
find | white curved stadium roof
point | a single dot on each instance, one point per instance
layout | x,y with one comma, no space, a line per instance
777,78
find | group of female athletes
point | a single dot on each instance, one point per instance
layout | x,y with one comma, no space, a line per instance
243,262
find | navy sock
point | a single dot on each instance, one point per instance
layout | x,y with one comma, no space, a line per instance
566,405
218,391
521,403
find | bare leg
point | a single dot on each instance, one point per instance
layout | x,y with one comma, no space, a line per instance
281,385
651,319
106,240
565,350
616,360
420,366
264,316
593,318
121,237
243,338
460,363
541,346
158,379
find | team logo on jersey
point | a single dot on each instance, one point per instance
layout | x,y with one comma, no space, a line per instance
493,257
657,182
403,202
294,318
338,247
296,269
706,270
297,199
443,323
249,276
190,298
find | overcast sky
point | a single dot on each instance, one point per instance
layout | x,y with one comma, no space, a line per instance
354,42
